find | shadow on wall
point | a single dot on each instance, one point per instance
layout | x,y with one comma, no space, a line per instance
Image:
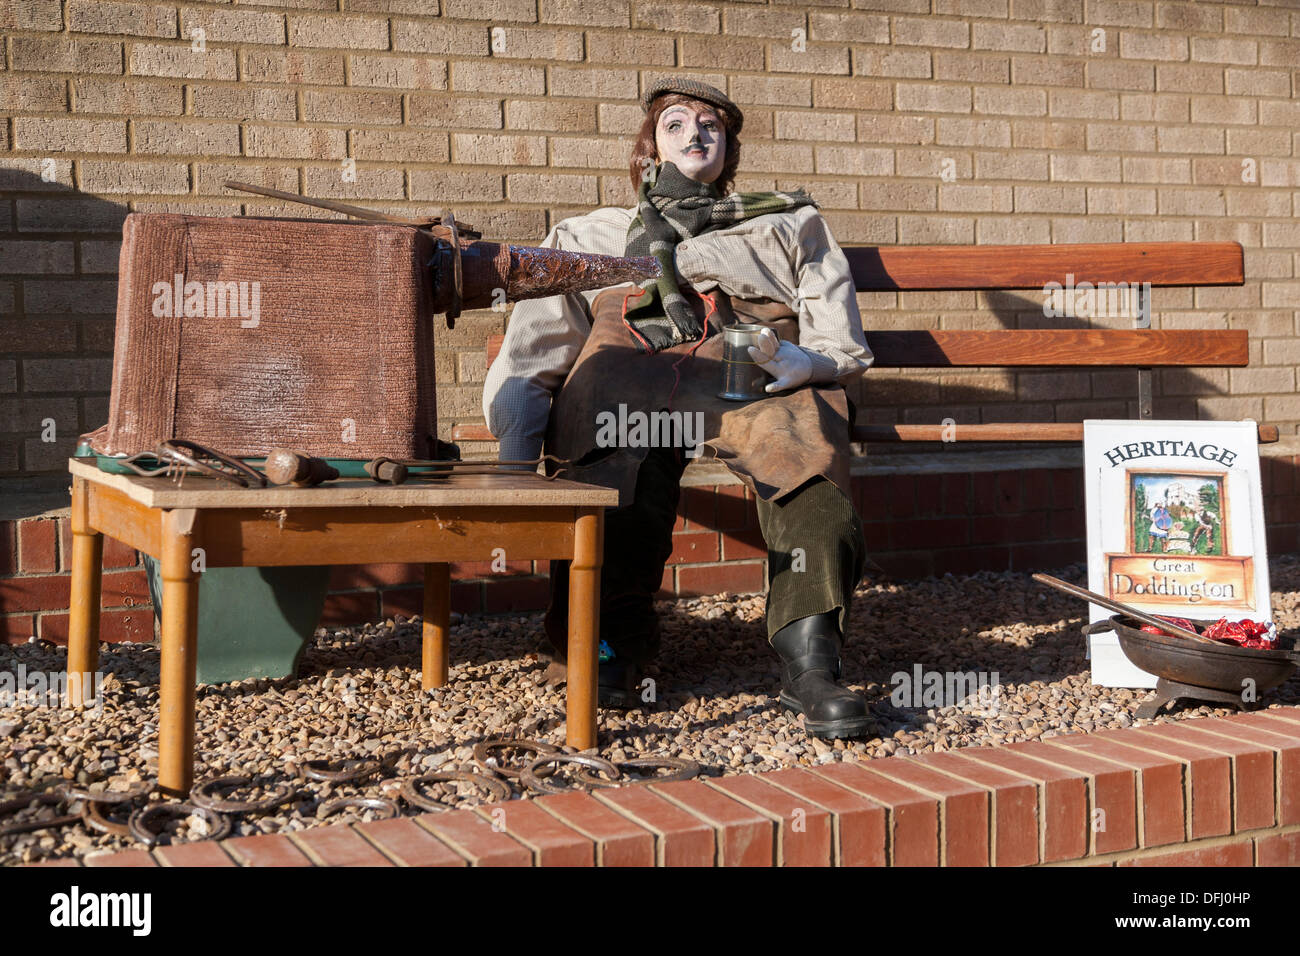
58,297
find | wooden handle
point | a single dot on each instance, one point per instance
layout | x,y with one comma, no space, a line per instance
1076,591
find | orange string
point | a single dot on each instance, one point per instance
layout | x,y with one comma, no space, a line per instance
710,309
630,327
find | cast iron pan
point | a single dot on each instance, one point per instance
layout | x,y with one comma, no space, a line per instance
1218,666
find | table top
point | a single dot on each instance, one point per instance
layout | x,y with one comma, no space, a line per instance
505,489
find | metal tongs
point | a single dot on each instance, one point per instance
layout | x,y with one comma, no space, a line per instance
176,457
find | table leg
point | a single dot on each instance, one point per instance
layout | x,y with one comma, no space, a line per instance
437,622
180,617
584,627
83,611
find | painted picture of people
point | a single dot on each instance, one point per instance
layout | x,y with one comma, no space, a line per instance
1174,513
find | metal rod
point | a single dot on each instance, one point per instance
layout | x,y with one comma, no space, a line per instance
1146,404
1075,591
488,466
357,212
30,826
1142,320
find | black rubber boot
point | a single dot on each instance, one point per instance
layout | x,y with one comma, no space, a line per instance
618,684
810,655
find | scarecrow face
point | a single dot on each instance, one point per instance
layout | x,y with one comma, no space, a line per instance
691,137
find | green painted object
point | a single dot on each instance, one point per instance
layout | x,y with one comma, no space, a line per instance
253,622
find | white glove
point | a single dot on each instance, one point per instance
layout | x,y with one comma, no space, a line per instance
784,361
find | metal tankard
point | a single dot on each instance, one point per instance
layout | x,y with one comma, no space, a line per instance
743,379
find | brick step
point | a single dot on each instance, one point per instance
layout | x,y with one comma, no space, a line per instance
1110,798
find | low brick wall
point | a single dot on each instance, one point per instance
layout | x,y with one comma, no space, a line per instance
1204,792
925,514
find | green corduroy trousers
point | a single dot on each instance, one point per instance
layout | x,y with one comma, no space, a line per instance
816,555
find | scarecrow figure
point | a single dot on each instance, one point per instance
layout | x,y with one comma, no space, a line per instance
570,361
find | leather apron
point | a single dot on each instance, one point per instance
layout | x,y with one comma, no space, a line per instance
774,444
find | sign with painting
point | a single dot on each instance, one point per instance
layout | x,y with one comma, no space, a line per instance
1175,527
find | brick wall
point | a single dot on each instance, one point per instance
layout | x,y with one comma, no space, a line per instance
912,121
953,516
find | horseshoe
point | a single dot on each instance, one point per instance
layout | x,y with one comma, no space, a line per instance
530,778
495,788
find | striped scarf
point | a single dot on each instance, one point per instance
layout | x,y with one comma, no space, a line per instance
671,208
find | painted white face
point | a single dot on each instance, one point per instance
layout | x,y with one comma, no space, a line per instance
691,137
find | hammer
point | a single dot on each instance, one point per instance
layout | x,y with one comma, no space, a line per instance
285,467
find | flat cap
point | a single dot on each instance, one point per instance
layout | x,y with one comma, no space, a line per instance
699,91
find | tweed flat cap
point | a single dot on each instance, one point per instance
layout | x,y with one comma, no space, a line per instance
698,90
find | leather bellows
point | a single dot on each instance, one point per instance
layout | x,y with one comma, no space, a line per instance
248,334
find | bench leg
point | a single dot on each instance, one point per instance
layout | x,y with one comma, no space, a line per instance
83,611
180,618
437,623
584,627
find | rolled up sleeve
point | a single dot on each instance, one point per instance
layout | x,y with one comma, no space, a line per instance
790,258
542,342
830,324
543,339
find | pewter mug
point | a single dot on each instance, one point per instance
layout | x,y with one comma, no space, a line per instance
743,379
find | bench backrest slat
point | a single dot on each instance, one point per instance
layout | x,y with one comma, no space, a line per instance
1061,348
978,268
1055,348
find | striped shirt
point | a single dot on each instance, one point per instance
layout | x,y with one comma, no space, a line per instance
789,257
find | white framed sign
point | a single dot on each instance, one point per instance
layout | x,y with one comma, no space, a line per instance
1175,527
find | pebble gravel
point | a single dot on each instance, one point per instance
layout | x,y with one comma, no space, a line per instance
358,696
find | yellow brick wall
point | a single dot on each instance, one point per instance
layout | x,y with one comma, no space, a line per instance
1057,121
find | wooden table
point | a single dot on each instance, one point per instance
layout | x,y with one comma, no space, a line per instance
206,524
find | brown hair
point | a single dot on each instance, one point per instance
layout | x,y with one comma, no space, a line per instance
644,148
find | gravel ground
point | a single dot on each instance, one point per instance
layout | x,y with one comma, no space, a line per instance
359,696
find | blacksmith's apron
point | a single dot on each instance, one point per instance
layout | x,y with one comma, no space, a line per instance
774,444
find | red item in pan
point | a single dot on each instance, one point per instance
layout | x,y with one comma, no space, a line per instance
1245,633
1176,622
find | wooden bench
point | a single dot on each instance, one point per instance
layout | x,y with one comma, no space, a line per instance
1011,268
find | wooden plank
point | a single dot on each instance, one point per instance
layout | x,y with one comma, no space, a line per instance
936,268
1002,431
123,518
472,433
1151,348
507,489
1061,348
355,535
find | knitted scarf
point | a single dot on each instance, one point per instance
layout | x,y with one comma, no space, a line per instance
672,208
